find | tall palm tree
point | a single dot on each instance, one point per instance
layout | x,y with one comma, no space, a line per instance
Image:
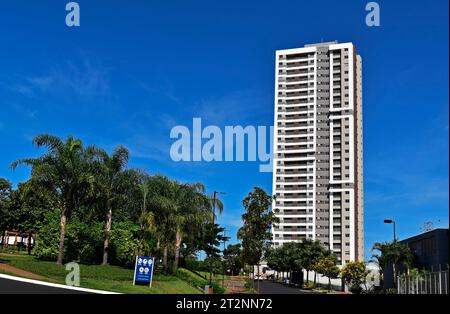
61,169
215,203
393,253
110,169
160,200
382,259
191,212
145,219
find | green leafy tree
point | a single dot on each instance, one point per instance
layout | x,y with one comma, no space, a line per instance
276,259
29,203
258,219
310,252
5,204
212,237
232,256
354,274
327,267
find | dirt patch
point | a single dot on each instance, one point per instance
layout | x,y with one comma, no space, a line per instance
235,285
8,254
19,272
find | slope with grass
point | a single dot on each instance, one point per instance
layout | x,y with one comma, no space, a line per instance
111,278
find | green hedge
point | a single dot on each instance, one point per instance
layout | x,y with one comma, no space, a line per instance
84,241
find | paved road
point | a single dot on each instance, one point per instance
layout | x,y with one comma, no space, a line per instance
269,287
8,286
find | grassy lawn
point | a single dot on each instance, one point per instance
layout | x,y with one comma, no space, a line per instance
111,278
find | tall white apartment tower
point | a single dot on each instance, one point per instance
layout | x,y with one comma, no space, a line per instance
318,161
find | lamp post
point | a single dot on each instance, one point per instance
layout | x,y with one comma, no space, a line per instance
390,221
224,243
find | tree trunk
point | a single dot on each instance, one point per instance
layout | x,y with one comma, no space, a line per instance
62,234
258,277
158,247
29,243
315,276
178,238
394,270
381,280
253,278
107,236
165,257
3,238
307,277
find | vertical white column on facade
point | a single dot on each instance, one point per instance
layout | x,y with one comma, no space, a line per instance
352,225
275,140
351,83
315,147
331,79
352,150
330,195
330,223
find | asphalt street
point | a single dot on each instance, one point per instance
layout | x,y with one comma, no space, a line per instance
8,286
269,287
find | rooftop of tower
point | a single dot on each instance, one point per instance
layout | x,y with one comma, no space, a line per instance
322,44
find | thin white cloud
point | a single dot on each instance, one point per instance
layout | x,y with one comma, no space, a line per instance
232,107
81,78
22,89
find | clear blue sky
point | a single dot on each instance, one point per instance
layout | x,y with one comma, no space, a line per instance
134,69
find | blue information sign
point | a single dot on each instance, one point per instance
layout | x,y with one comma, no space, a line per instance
143,270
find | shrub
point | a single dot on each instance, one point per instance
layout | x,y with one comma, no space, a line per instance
193,264
84,242
124,244
47,238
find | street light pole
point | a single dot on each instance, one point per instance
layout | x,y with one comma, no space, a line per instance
390,221
224,243
395,238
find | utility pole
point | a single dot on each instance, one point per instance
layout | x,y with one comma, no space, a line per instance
213,224
224,243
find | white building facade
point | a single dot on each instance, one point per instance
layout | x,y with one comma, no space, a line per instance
318,162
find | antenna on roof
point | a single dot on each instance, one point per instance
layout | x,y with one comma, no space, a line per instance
427,226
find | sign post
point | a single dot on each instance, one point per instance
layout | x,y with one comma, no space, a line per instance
143,270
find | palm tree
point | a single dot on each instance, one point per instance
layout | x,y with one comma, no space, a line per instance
394,253
381,260
215,202
192,211
110,170
160,200
62,170
146,219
